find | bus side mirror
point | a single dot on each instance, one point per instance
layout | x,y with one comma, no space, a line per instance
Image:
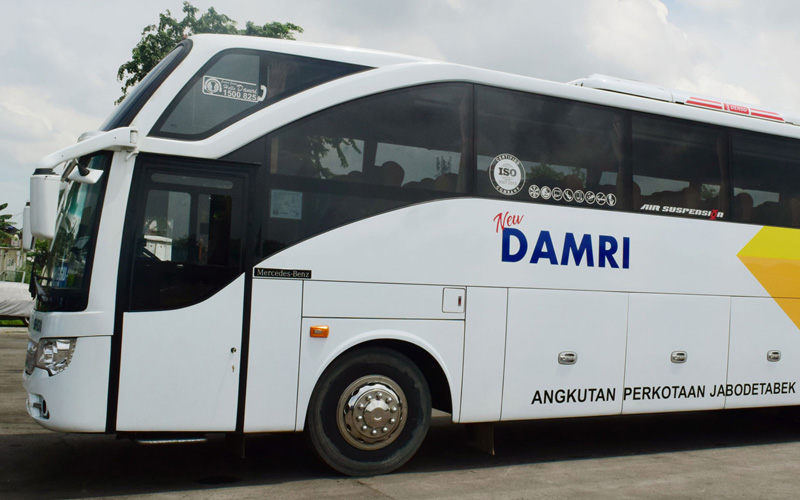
85,175
45,187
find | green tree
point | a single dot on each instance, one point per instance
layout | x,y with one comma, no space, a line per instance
5,225
158,40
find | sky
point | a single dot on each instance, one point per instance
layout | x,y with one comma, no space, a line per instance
58,60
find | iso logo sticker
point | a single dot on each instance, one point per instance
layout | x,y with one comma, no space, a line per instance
507,174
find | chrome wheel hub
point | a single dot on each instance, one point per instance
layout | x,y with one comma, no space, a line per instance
371,412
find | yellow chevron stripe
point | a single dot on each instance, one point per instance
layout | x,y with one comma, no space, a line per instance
774,243
773,257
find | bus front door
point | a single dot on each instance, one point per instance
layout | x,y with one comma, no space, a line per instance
181,329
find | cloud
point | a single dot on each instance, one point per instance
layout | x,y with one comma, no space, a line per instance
17,122
715,6
33,125
637,39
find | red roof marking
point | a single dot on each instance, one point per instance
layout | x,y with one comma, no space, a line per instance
766,114
704,102
734,108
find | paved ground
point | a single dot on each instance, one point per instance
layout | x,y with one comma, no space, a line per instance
742,454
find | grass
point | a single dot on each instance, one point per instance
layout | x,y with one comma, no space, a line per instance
12,322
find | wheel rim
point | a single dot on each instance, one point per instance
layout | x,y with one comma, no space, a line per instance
371,412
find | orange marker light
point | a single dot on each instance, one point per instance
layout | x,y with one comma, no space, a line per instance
320,332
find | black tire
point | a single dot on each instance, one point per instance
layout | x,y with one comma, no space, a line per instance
342,448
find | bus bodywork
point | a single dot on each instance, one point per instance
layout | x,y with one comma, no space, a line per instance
289,237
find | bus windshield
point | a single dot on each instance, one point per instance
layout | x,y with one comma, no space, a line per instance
65,276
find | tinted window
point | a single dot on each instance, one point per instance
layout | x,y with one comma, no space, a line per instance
679,167
550,150
366,157
766,179
189,237
132,104
237,83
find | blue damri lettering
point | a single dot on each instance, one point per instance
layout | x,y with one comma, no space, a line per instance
570,247
508,233
544,249
573,251
626,253
608,247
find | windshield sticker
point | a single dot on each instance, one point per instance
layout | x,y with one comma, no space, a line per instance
232,89
286,204
507,174
60,275
570,196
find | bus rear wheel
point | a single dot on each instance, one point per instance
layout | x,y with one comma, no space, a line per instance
369,412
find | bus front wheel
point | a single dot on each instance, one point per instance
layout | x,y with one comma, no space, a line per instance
369,412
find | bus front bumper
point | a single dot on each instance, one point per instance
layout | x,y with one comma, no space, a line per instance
76,398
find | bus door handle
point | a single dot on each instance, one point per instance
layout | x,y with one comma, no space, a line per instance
774,356
678,357
567,358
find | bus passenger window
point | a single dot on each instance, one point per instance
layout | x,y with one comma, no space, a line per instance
679,168
565,152
408,138
763,171
366,157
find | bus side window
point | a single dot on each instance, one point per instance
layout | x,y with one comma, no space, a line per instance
572,153
238,82
415,138
188,244
679,168
365,157
763,170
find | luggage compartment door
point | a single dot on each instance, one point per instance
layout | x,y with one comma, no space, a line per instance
565,354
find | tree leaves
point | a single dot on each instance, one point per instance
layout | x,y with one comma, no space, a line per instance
5,224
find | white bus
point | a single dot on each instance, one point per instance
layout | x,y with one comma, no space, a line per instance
272,236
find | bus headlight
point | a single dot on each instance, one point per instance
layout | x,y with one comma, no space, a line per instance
54,355
30,359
